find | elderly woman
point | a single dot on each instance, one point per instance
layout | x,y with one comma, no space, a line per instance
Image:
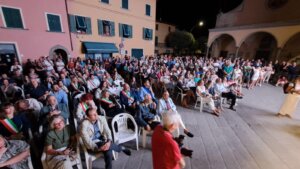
14,154
206,97
60,144
290,103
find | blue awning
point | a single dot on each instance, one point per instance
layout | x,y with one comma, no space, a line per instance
99,47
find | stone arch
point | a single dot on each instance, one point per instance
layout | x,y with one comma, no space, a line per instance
290,50
218,36
223,45
257,32
258,45
61,49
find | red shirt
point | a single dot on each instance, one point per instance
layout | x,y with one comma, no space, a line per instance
165,151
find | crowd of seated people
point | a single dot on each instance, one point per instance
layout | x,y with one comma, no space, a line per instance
54,93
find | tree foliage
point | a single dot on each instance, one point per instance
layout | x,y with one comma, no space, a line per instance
180,41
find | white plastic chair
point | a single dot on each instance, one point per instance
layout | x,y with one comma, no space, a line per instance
29,161
124,134
180,93
199,103
19,89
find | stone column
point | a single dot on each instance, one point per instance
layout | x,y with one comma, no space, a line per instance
278,52
207,51
237,51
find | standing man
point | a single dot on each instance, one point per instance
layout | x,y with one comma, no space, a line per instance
165,151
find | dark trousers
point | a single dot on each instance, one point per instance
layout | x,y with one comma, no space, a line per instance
231,96
108,155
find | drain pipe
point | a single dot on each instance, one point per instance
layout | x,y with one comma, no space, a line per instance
68,19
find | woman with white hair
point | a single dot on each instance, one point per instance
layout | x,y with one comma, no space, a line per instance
60,144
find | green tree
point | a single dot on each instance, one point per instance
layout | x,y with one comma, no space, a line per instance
180,41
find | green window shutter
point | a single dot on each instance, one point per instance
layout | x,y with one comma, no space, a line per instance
112,29
151,34
54,23
100,27
12,17
88,25
130,31
125,4
148,10
72,22
120,30
144,33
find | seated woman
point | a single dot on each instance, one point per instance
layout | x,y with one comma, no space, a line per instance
86,101
13,126
206,97
291,100
110,105
60,145
14,154
144,116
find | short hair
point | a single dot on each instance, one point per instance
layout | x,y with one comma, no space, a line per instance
89,110
86,97
53,118
170,117
6,105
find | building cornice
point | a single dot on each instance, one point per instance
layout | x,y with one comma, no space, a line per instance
255,26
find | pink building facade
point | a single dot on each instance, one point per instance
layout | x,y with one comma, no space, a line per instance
33,28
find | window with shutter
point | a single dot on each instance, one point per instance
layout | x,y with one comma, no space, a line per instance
105,1
125,4
148,10
54,24
147,34
106,28
126,32
12,17
81,24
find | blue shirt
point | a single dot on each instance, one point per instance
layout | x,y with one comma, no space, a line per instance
97,134
61,96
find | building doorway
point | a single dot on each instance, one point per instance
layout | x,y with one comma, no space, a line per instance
8,55
63,54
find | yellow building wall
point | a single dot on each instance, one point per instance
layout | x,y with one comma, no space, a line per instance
163,31
135,16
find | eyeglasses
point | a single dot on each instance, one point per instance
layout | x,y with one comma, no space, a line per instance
58,123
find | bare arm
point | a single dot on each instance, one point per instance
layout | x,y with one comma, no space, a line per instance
181,163
16,158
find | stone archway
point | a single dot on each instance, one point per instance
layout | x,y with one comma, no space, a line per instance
291,50
258,45
224,45
59,50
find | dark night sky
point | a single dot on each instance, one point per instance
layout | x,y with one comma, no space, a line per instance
188,13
